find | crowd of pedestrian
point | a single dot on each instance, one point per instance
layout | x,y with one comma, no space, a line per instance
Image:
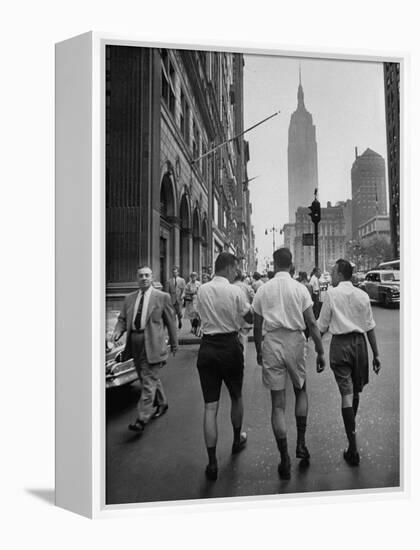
283,312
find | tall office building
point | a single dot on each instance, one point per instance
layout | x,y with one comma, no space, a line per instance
302,157
392,112
367,188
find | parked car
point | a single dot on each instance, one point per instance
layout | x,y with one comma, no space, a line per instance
382,286
118,372
324,281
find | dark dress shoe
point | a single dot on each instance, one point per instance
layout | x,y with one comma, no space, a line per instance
302,451
352,458
211,472
160,411
240,445
137,426
284,468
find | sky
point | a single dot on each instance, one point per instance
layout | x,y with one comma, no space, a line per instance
346,100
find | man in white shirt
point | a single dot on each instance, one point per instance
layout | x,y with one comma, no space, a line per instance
223,309
145,315
285,307
175,287
347,314
316,290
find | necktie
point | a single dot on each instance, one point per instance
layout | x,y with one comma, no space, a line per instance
137,320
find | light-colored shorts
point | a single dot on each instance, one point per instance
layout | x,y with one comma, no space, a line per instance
283,351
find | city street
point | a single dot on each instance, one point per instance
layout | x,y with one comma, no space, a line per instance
168,461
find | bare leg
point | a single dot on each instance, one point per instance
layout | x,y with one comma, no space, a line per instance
210,423
278,418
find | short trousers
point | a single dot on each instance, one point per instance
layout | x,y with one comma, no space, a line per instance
283,351
349,361
220,359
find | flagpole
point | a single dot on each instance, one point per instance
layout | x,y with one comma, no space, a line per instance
235,137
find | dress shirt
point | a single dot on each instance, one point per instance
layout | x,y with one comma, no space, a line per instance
314,282
346,309
221,306
144,310
281,301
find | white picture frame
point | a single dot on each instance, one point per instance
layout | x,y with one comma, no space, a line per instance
80,277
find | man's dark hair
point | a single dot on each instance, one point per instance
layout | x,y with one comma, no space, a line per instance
239,276
270,274
256,276
345,268
224,260
282,258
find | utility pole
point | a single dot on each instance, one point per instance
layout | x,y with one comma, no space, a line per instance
315,213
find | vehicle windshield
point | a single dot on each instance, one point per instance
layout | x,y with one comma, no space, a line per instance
391,276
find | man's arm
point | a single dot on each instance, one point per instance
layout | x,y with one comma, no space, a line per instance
372,341
310,321
258,324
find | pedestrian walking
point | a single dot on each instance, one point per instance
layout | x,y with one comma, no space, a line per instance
223,309
190,300
257,282
144,316
175,287
285,308
347,314
316,290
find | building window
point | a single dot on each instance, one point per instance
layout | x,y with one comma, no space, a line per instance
184,121
168,82
195,141
215,210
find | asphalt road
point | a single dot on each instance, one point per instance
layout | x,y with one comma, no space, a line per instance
168,461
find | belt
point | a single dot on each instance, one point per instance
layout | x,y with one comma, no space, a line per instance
219,335
353,333
140,331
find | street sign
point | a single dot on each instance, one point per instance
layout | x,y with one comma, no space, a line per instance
308,239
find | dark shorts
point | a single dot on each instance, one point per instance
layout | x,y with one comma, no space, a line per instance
349,361
220,359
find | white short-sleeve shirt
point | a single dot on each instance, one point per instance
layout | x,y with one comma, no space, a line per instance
281,301
346,309
221,306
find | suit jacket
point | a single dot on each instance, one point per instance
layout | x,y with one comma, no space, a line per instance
176,291
160,314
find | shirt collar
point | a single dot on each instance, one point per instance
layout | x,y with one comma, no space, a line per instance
221,280
148,291
282,274
345,283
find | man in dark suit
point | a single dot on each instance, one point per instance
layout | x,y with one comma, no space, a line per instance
175,287
144,316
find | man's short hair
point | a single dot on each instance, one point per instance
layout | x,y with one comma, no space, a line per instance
282,257
345,268
270,274
256,276
145,266
224,260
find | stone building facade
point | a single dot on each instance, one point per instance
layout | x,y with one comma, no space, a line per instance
167,201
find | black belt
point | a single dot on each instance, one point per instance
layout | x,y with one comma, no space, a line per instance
138,331
220,335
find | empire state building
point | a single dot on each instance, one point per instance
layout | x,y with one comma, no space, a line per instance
302,157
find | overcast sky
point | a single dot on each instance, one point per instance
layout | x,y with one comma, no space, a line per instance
346,100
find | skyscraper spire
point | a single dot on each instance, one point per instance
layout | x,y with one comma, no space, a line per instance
301,103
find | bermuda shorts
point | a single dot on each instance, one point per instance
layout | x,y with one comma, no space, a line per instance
284,351
220,359
349,361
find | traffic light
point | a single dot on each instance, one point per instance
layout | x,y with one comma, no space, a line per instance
315,211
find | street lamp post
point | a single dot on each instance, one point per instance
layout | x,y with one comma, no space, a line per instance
315,213
273,231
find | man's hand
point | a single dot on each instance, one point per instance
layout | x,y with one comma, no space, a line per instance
259,359
320,362
376,365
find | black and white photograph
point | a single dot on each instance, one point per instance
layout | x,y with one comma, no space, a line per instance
252,237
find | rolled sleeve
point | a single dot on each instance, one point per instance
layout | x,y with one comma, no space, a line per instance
256,304
242,304
370,322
